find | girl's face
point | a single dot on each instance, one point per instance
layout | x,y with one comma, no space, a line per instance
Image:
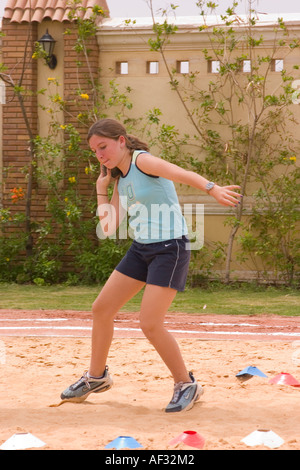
108,152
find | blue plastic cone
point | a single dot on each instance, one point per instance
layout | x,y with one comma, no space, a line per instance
251,370
123,442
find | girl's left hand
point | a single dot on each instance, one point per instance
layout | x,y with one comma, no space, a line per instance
226,195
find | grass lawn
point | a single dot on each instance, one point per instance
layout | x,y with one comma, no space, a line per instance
245,300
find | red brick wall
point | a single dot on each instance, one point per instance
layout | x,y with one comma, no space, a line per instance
15,137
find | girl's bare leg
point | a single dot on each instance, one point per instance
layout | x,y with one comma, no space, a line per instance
118,290
155,304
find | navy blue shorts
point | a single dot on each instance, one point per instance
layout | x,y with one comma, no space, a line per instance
163,264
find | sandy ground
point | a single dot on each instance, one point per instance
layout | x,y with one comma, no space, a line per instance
34,371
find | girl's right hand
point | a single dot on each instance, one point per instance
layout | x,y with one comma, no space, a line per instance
103,180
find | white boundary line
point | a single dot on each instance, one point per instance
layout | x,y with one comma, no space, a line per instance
252,325
178,331
87,328
35,319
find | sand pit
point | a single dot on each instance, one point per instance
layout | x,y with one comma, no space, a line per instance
35,370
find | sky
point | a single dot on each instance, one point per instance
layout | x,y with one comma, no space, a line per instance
138,8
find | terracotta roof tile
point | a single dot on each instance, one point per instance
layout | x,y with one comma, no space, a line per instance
18,11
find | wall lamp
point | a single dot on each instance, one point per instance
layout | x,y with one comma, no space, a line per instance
48,44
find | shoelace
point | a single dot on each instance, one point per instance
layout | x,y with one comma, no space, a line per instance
83,378
177,390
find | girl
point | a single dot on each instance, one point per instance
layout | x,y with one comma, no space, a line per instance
157,259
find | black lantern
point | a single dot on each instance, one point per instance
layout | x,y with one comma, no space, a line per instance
48,44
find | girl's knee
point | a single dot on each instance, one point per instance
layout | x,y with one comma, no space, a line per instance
96,307
149,328
100,310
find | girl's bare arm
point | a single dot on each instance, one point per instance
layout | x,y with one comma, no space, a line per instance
225,195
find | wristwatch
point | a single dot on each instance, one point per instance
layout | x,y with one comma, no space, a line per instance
209,186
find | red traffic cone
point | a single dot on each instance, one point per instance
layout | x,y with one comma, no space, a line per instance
285,379
189,438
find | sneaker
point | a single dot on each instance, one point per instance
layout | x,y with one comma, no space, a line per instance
81,389
185,395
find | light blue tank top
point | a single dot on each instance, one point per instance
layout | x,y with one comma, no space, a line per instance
152,204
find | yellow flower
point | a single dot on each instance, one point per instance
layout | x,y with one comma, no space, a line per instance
7,259
68,213
86,170
293,159
66,199
72,179
79,116
84,96
62,127
51,79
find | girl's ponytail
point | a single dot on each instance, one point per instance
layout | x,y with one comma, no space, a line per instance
134,143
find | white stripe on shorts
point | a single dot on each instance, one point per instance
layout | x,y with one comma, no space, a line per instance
177,257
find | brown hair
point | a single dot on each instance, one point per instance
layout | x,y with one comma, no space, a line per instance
113,129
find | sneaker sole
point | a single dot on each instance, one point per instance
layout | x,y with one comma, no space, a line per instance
200,393
84,397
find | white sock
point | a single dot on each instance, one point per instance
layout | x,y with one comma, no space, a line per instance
93,377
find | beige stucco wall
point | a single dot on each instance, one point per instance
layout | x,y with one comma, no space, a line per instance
56,30
130,44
